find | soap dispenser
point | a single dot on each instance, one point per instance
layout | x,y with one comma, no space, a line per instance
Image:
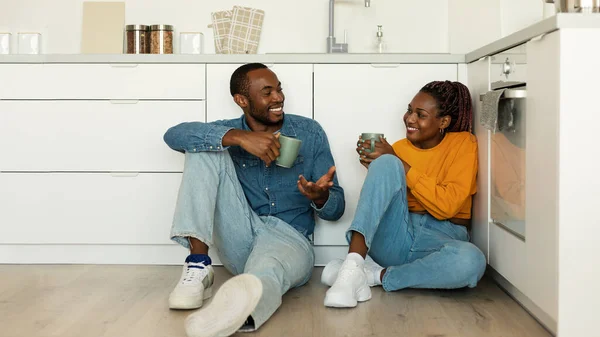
379,44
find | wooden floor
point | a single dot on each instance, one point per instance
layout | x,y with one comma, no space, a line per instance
99,300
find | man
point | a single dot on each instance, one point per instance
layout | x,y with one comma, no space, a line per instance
258,215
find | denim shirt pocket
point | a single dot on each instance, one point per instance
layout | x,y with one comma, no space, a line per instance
247,166
289,176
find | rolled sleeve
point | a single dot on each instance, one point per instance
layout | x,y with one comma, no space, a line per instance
331,210
197,137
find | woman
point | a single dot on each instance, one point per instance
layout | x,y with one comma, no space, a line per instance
415,205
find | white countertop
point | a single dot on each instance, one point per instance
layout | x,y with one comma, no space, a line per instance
239,58
559,21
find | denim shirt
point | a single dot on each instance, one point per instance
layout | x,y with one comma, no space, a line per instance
271,190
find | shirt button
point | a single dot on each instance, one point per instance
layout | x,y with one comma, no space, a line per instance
194,150
243,165
218,147
272,204
211,147
266,188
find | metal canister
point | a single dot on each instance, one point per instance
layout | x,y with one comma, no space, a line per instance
161,39
137,39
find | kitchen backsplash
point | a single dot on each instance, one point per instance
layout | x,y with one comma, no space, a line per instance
289,26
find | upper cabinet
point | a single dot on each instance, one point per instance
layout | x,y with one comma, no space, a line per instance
354,98
296,81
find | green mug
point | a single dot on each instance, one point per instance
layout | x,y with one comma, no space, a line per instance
373,137
288,151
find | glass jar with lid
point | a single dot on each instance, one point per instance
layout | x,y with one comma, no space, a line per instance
137,39
161,39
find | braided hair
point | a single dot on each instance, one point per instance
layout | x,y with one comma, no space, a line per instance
453,99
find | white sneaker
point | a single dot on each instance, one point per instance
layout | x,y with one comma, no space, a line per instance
227,312
372,269
195,285
350,287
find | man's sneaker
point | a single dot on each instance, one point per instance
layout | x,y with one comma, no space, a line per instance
351,286
331,270
195,284
229,309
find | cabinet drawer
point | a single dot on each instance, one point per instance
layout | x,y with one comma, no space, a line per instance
87,208
508,256
102,81
91,135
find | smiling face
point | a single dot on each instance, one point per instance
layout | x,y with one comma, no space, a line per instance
423,123
264,104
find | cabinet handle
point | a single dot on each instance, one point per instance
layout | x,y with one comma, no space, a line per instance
385,65
124,101
124,174
537,38
123,65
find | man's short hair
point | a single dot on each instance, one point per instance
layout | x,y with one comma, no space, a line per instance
239,83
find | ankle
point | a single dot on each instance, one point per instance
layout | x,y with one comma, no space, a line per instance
197,246
381,274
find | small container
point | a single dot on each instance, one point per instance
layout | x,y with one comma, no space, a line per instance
4,43
380,45
29,43
137,39
161,39
191,43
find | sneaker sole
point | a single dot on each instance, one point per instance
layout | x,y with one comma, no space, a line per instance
337,300
223,316
185,303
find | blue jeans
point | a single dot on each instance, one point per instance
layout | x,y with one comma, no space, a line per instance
418,250
212,208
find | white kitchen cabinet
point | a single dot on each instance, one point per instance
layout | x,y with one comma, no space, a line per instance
355,98
91,135
296,81
479,83
542,171
527,267
102,81
87,208
578,182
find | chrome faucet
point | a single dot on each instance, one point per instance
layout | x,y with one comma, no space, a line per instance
332,46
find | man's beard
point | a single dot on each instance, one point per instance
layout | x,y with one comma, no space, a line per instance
260,117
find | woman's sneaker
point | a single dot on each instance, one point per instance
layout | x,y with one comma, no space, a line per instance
350,286
372,269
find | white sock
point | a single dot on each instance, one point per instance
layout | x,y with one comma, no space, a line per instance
374,275
373,271
356,257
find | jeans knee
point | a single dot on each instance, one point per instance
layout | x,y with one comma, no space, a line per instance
388,170
387,161
473,263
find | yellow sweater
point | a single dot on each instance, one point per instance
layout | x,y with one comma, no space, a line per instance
441,180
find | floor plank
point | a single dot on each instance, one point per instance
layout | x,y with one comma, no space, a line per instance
102,301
